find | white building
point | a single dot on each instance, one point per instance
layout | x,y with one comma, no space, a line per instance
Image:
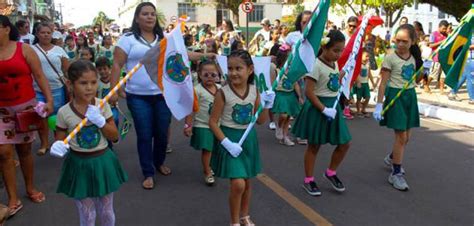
428,15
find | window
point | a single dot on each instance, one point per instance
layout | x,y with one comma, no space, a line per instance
441,14
187,9
222,14
257,14
430,27
416,4
431,8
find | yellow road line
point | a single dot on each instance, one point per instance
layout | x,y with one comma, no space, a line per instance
304,209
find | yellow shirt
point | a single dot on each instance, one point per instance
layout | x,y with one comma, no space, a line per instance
327,79
238,110
401,70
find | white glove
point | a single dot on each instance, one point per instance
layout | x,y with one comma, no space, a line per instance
378,112
267,99
93,115
330,112
59,149
234,149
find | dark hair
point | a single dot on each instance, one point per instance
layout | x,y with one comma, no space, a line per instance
14,35
102,62
38,28
418,24
135,29
404,17
69,37
213,44
443,23
229,24
20,23
245,56
205,63
278,20
281,57
353,19
299,18
79,67
91,51
414,49
85,45
335,36
103,39
235,45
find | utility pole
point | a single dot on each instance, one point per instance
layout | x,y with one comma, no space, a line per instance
61,12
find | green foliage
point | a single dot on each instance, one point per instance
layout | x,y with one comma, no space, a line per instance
457,9
102,20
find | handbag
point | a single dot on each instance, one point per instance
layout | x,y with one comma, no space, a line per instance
61,78
28,121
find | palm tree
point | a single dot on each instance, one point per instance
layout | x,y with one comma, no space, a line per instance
102,20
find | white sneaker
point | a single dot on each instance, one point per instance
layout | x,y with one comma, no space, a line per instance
388,162
398,182
279,133
287,141
272,126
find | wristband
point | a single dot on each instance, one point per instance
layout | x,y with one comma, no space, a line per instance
186,125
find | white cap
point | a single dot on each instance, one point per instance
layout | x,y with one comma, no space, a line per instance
57,35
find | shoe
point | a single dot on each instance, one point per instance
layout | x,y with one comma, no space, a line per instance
42,151
453,97
301,141
272,126
287,141
360,115
311,188
388,162
13,210
279,133
347,114
209,180
246,221
335,182
398,182
169,149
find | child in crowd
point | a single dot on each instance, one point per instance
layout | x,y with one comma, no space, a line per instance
70,48
361,87
104,68
87,54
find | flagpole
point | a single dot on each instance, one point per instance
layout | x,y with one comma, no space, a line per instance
74,132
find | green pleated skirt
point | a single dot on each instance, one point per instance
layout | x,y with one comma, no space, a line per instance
404,113
286,103
363,92
202,139
246,165
89,177
313,125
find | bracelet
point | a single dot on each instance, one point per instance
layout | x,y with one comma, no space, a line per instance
186,125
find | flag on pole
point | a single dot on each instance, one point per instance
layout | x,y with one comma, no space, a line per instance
168,65
261,70
305,51
454,51
222,62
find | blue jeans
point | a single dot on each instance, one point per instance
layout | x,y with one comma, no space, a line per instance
116,115
468,77
152,118
59,98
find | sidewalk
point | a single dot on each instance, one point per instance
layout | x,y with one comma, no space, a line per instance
436,99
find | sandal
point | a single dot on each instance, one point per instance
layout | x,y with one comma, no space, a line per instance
38,197
148,183
42,151
165,171
246,221
13,210
209,180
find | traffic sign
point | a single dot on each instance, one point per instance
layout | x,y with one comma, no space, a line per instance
247,6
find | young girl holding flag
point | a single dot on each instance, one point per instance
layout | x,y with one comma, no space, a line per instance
318,121
201,136
234,107
398,69
91,172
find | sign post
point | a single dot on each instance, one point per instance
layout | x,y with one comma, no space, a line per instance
247,7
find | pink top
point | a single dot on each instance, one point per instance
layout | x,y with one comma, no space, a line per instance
435,38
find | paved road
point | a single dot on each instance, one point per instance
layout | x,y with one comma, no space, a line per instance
439,164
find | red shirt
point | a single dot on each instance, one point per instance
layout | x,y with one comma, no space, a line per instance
16,82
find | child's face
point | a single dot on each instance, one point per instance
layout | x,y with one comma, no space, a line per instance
85,87
334,52
365,57
85,54
209,75
275,35
70,42
238,71
403,40
108,41
210,48
80,41
104,73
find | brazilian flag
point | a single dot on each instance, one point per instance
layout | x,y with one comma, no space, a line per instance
454,51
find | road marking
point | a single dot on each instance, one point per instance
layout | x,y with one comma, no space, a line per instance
304,209
441,123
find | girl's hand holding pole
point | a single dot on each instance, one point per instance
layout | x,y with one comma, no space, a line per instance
378,112
95,117
267,98
330,112
234,149
59,149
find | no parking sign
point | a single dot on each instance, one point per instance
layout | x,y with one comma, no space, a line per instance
247,6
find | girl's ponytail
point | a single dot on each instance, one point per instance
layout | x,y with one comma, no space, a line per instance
416,53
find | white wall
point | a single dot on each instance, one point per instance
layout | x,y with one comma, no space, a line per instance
426,15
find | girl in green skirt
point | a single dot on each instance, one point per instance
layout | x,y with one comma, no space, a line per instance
201,136
318,122
361,88
397,70
234,107
91,172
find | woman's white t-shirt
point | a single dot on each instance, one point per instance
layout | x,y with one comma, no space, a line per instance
54,55
140,83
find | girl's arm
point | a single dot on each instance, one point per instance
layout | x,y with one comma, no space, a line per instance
35,65
310,84
60,134
110,130
64,65
188,127
385,75
216,113
120,58
299,92
263,115
371,78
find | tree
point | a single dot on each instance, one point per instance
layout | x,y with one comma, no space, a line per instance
457,9
102,21
233,6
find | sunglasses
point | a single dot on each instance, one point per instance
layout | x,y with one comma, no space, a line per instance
207,75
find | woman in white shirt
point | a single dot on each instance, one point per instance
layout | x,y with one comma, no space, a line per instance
54,62
145,101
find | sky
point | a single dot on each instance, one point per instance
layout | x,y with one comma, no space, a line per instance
82,12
